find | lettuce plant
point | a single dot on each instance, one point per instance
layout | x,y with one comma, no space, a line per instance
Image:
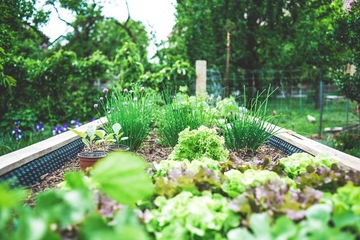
237,182
195,165
186,216
315,226
198,143
298,163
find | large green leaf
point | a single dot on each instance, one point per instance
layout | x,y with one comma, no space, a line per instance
122,176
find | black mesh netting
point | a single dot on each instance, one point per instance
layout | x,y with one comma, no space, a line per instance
280,144
29,174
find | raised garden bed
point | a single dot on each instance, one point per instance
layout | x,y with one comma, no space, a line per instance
37,170
30,163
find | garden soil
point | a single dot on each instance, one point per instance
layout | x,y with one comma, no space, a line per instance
151,152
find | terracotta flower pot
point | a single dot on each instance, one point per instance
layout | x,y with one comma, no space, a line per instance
88,159
117,147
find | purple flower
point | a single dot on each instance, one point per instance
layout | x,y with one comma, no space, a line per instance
39,127
101,98
17,123
142,89
96,105
17,132
93,119
60,129
125,90
56,130
75,123
105,90
64,127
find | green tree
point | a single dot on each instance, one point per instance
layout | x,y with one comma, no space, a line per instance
347,31
93,31
19,28
268,34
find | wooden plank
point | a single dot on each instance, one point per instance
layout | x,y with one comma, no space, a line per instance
200,67
13,160
314,148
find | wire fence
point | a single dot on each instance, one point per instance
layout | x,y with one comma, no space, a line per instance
295,92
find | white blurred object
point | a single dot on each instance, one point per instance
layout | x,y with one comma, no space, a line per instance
243,110
348,4
311,118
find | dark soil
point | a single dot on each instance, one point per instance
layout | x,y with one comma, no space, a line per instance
151,152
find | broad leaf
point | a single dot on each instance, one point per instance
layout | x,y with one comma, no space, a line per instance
116,128
122,176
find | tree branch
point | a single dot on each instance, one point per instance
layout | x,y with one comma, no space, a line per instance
58,14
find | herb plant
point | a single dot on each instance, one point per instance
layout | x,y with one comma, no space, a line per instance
133,110
247,129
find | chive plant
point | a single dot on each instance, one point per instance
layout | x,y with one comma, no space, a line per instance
247,129
133,110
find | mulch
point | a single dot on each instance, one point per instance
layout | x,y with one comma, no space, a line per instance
151,152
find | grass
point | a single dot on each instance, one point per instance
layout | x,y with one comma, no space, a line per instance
292,115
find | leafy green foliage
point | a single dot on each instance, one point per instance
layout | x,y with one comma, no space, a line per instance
54,89
177,179
94,136
259,28
118,134
327,179
19,31
185,216
347,32
237,182
115,181
171,76
348,142
198,143
162,168
346,198
80,207
237,163
276,197
316,226
300,162
129,63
